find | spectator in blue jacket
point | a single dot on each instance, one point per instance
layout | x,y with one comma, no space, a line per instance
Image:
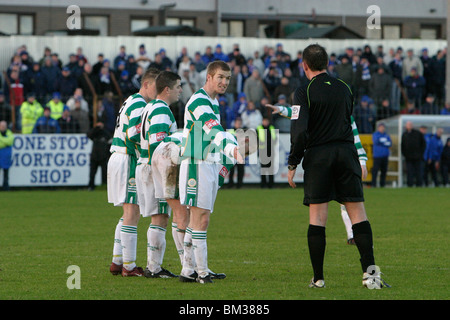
432,156
46,124
381,144
6,142
219,55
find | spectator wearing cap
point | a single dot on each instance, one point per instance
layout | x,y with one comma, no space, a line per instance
56,106
381,144
122,56
30,111
411,61
131,65
167,63
121,66
283,124
125,84
226,113
46,124
364,115
240,105
219,54
67,123
143,58
251,117
280,51
414,84
66,84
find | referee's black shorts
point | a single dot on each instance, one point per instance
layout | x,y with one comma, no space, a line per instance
332,172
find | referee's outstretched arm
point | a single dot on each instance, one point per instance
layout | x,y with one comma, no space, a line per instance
299,125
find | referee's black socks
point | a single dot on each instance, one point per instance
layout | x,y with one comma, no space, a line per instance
316,244
362,233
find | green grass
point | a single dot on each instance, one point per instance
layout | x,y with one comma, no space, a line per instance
257,237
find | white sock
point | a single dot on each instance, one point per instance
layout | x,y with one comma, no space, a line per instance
156,246
117,249
178,238
200,252
347,222
188,255
128,235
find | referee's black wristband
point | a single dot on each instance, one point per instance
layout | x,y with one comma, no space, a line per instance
292,167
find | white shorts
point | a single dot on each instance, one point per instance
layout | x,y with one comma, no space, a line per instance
199,184
149,204
121,182
165,170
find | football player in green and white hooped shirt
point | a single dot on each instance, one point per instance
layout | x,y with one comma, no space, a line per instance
203,140
157,123
121,183
287,112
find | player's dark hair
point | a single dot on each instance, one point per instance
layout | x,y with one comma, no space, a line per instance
316,57
166,79
150,74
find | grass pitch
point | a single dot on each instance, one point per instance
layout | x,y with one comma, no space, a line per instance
256,236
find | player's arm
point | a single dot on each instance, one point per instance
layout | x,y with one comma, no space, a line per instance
162,124
214,132
281,110
359,148
133,129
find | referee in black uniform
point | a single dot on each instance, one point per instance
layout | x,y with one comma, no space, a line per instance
322,136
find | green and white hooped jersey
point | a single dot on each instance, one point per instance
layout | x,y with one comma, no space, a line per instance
128,126
158,123
203,136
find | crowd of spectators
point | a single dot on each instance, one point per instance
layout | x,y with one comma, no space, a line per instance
384,83
45,95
